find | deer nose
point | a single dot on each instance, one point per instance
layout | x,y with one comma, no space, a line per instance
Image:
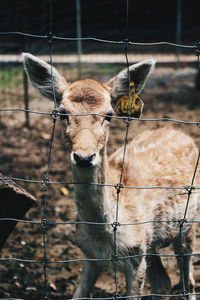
84,162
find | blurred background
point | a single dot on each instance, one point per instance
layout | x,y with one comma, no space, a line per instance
175,21
148,21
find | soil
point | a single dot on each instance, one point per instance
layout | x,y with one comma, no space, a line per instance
24,154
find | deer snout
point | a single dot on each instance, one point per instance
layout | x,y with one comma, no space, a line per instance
83,162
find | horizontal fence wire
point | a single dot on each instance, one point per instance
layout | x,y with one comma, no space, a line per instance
122,297
109,259
188,189
94,223
11,299
125,297
182,188
54,114
54,37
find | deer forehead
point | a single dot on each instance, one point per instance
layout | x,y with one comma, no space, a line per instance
87,96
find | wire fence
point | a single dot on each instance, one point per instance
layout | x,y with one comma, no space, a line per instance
46,182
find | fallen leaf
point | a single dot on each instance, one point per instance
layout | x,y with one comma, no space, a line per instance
45,136
52,286
31,288
64,191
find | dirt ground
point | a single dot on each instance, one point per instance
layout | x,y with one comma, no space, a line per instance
24,154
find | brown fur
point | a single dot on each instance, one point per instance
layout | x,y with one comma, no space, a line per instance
87,91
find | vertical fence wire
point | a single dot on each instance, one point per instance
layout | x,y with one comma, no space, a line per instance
119,186
44,221
46,178
127,18
183,260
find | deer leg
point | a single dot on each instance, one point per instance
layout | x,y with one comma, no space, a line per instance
89,275
135,275
187,281
157,276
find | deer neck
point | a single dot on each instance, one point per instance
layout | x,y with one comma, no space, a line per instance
91,198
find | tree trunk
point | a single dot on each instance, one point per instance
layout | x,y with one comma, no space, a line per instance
14,203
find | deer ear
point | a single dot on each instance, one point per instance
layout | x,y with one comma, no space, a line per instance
44,78
138,74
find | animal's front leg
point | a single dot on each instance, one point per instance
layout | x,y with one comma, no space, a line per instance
187,281
89,275
157,276
135,277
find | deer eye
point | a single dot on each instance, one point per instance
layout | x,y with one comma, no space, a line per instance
63,113
108,116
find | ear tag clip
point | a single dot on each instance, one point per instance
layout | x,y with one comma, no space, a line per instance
129,105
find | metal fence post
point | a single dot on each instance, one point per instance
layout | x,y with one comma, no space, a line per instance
178,29
26,99
79,34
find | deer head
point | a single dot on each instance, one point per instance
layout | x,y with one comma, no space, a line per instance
86,135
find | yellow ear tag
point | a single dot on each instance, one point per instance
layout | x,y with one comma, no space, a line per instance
129,105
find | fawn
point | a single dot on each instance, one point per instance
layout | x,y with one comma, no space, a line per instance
161,157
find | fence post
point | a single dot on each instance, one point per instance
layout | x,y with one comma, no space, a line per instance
26,99
79,35
178,29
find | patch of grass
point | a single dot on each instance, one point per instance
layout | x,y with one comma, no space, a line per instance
11,78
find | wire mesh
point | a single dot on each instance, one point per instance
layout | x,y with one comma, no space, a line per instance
45,181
